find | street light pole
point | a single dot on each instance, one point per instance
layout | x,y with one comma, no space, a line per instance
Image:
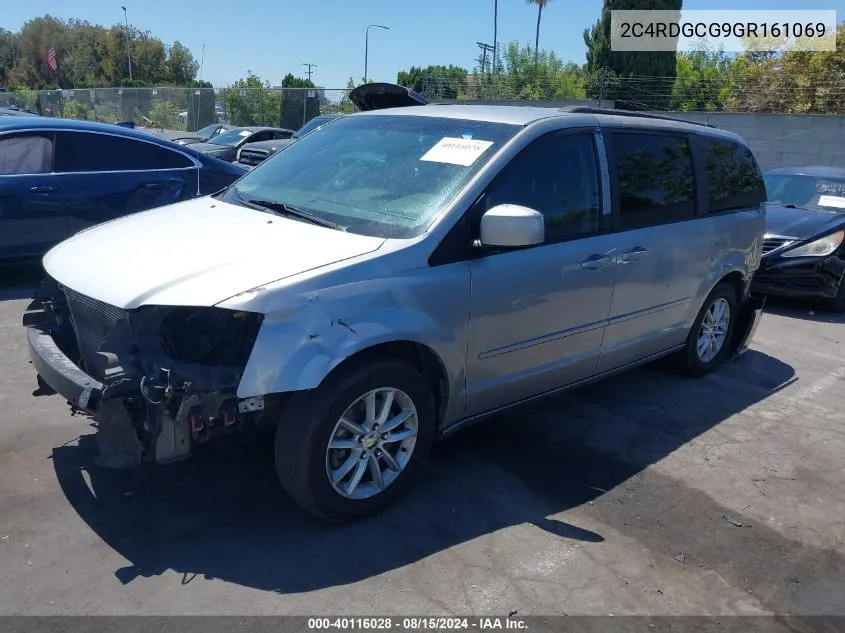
495,32
128,52
367,45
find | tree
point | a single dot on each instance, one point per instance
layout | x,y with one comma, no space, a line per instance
541,4
181,66
8,57
346,106
289,81
90,56
518,76
703,81
645,92
435,82
251,101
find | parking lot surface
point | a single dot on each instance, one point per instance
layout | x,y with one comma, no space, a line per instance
644,494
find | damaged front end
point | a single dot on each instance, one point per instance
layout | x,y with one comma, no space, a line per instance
156,379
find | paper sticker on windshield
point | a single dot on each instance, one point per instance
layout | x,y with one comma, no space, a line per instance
456,151
832,201
245,133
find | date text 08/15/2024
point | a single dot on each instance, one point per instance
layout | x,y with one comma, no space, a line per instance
416,623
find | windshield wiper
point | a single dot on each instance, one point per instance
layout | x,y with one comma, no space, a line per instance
288,209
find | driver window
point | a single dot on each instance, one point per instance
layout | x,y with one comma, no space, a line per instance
557,175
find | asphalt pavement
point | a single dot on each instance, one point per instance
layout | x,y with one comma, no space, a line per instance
647,493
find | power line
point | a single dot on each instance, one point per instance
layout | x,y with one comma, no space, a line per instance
310,66
485,48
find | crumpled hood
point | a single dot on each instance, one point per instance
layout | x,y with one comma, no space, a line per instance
800,223
194,253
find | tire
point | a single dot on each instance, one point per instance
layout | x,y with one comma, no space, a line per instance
311,419
690,362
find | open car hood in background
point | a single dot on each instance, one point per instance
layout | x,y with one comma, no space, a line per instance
378,96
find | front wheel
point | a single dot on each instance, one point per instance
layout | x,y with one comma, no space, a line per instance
709,339
347,449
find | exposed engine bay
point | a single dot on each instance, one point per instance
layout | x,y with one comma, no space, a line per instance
168,375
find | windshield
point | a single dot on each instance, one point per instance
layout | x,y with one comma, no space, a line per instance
206,132
385,175
312,124
232,137
806,192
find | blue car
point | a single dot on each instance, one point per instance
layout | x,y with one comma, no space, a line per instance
59,176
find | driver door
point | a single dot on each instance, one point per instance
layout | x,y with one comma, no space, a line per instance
538,314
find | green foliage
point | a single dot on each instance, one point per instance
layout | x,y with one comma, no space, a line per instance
621,66
74,109
435,82
164,114
289,81
253,102
703,81
90,56
346,106
520,77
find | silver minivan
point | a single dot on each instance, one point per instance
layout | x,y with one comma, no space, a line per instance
398,274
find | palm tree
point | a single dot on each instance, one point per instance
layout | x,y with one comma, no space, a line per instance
540,5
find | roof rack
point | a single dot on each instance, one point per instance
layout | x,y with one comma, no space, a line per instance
631,113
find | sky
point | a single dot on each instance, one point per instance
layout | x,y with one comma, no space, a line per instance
274,37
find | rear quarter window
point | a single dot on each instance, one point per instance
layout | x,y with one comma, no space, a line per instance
734,180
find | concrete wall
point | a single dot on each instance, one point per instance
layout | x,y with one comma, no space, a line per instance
777,140
783,140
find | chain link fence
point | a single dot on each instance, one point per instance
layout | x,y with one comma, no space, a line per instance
189,109
185,109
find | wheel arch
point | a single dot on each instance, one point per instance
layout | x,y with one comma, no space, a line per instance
418,355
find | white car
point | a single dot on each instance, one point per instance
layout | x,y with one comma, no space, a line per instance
396,275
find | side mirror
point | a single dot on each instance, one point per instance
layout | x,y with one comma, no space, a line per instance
512,226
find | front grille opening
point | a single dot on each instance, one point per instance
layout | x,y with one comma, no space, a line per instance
773,243
93,321
253,156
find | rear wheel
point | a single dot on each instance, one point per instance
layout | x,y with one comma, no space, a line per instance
709,338
347,449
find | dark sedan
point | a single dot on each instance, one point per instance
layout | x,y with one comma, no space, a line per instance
803,252
203,135
253,153
59,176
225,146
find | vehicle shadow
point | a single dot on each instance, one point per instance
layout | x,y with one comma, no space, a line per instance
19,281
223,515
802,309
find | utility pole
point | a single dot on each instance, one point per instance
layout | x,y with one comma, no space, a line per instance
128,51
485,48
310,66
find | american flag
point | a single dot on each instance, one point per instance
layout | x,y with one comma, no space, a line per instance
51,58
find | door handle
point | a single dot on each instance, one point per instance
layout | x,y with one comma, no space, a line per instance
596,261
634,254
42,189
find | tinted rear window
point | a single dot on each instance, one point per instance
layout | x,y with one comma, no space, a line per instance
87,151
734,180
